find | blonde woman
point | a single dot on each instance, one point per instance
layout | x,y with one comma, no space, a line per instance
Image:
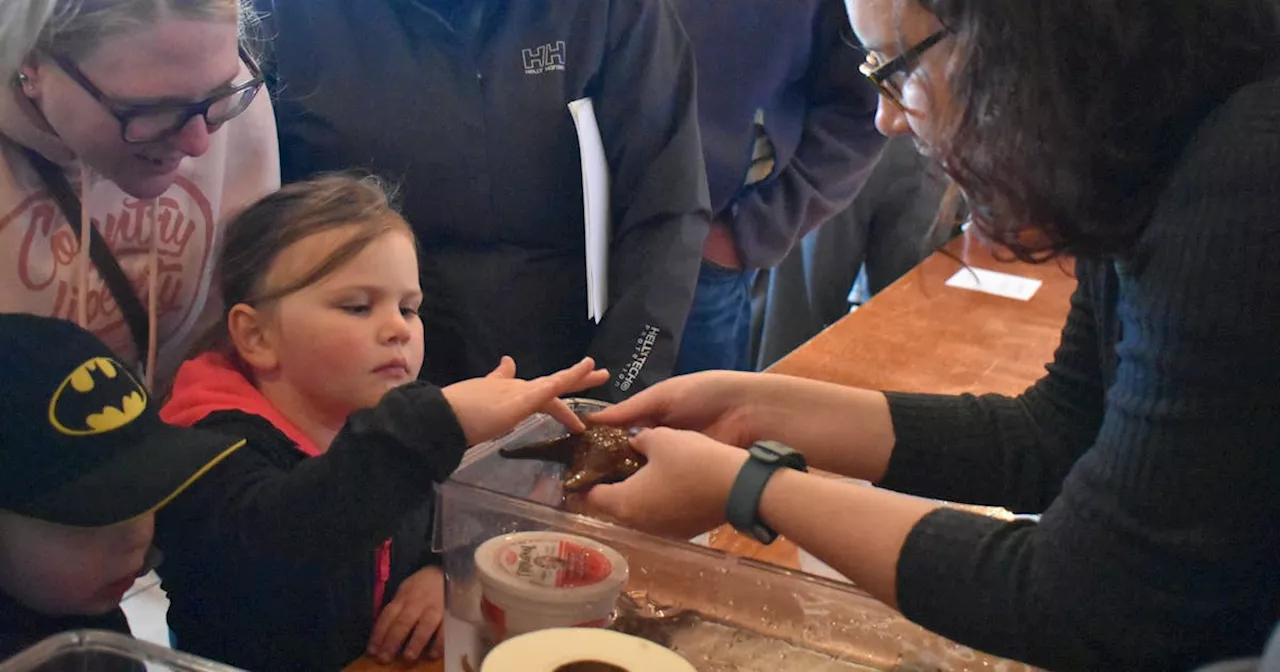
146,118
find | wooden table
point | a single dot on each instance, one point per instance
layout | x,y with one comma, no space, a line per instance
918,335
367,664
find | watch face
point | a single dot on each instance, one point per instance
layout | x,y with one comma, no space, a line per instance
773,452
764,453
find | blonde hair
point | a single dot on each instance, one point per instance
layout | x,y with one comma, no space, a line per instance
76,27
20,23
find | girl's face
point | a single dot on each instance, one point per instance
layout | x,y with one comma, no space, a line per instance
341,343
173,62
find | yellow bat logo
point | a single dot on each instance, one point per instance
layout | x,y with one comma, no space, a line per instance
98,397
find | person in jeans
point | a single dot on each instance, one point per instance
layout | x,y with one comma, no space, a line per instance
890,228
788,138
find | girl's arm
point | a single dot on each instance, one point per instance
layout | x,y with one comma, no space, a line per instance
382,465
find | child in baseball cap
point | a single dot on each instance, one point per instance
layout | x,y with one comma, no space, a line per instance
84,463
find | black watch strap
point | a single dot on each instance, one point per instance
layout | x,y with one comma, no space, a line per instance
742,509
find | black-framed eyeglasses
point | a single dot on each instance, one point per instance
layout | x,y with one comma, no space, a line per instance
892,74
150,123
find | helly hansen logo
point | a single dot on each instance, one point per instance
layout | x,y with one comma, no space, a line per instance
547,58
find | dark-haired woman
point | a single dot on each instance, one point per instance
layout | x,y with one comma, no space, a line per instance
1143,138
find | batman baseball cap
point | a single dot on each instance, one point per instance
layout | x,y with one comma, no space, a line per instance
81,440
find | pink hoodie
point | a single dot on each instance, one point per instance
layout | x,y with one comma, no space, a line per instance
178,234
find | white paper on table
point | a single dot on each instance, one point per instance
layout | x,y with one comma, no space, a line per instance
994,282
595,204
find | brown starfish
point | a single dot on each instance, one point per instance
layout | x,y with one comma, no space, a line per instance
596,456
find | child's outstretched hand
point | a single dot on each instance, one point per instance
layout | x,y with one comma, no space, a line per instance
491,406
411,620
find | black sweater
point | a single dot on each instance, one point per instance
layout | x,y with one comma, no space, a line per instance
271,556
1152,446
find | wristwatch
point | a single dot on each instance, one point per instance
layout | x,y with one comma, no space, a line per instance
743,508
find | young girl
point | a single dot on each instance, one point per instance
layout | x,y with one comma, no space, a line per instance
312,546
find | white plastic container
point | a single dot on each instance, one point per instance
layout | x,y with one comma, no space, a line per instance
537,580
560,649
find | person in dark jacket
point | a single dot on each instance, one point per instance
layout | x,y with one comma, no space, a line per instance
789,140
84,463
464,104
890,228
312,545
1151,447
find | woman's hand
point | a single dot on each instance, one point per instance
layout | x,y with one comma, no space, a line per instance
489,407
684,489
681,492
411,621
840,429
724,405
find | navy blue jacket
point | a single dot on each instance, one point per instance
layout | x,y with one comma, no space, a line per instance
787,58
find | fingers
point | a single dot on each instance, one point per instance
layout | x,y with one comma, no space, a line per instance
506,369
400,629
543,393
560,411
580,376
594,379
436,652
648,438
611,500
427,627
573,373
539,393
607,500
379,641
645,408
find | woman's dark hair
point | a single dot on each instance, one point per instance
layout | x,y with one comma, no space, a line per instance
1069,115
257,236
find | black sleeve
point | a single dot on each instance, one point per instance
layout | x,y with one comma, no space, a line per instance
1003,451
383,464
1160,552
661,212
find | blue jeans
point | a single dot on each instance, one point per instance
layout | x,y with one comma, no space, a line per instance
717,334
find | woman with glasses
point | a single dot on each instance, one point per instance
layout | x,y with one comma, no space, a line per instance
1143,139
142,117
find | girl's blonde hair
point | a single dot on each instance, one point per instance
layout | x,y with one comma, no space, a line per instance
76,27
